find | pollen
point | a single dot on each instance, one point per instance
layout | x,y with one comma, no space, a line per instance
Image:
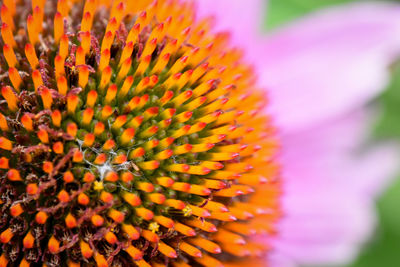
130,134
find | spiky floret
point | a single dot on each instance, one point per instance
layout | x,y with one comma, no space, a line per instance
130,135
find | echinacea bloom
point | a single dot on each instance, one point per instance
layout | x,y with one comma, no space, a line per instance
320,71
130,135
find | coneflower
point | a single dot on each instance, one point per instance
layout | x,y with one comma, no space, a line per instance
130,135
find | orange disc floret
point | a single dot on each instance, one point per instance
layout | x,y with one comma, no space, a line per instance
135,131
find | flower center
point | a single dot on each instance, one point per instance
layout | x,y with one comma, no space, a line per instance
130,134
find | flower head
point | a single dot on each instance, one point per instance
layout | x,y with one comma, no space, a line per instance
129,134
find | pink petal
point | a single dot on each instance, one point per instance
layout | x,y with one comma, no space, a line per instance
329,63
329,189
241,18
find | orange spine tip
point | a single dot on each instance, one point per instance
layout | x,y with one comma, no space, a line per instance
80,56
59,66
136,153
72,103
202,224
38,18
135,253
108,39
87,116
90,6
144,213
99,128
120,159
5,143
63,7
31,55
10,97
58,27
205,244
106,197
150,46
27,122
64,46
165,154
6,236
4,163
164,221
167,250
68,177
9,54
161,63
100,260
184,130
91,98
132,199
47,98
16,210
119,122
144,63
97,220
70,221
179,186
28,240
41,217
112,25
3,123
111,176
106,112
111,93
126,52
6,33
7,16
15,78
62,85
85,42
83,199
146,187
86,251
111,238
11,5
72,129
190,250
37,79
109,144
127,177
83,76
133,34
127,136
32,189
116,215
125,87
56,118
33,32
184,229
131,231
104,59
105,77
3,259
177,204
87,21
78,156
63,196
150,236
125,67
142,85
13,174
149,132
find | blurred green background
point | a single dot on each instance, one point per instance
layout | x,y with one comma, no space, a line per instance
384,249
